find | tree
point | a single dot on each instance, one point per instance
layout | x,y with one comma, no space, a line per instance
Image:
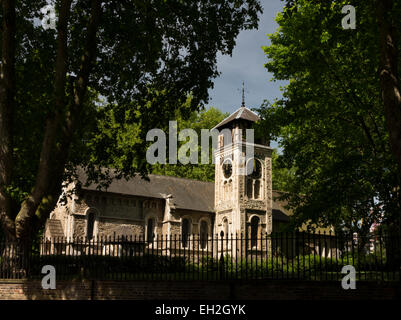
143,58
205,119
282,177
331,119
389,28
388,25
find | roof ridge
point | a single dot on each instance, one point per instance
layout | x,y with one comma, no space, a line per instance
253,112
150,174
238,114
178,178
241,110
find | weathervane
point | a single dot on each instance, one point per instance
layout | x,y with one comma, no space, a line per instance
243,94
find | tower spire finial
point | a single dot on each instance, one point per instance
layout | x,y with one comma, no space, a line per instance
243,95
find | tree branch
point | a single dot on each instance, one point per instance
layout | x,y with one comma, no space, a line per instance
355,101
388,73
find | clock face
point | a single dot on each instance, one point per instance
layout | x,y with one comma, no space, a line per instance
256,170
227,169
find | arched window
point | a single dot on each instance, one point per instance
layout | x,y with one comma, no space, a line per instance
249,187
185,232
256,192
203,234
225,227
253,179
90,224
254,231
150,230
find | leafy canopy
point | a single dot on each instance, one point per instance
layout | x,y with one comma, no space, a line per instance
205,119
151,59
330,121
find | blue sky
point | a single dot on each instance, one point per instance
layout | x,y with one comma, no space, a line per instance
247,64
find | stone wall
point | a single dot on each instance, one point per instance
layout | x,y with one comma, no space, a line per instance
115,214
195,218
120,228
199,290
79,226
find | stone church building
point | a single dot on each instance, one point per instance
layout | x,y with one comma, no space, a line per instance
235,203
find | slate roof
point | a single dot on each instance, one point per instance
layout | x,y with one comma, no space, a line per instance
186,193
280,204
242,113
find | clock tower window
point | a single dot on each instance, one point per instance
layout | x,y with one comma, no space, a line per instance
253,179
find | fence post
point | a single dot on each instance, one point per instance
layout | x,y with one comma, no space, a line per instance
221,257
85,257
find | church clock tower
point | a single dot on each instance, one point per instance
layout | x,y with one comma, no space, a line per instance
243,198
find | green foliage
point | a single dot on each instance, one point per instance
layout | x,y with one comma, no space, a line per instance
205,119
283,178
88,266
330,122
147,265
303,266
153,59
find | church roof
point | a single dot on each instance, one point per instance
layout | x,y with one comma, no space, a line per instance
186,194
279,204
280,213
242,113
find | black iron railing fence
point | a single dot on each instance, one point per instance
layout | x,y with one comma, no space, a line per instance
201,257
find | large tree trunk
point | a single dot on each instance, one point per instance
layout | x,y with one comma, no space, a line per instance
46,171
7,98
60,127
60,124
392,108
388,72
